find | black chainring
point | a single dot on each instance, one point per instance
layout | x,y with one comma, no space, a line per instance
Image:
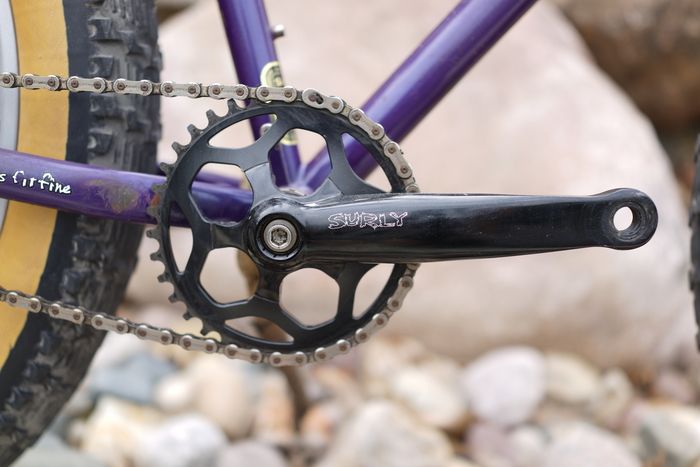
209,234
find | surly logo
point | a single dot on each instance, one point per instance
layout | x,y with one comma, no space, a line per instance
46,182
366,219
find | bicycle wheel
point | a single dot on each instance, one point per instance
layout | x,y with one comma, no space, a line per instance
695,239
76,259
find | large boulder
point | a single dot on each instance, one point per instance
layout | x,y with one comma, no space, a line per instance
536,116
651,48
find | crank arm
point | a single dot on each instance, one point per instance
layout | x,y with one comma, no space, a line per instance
418,228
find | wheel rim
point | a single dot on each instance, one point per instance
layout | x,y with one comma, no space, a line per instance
9,100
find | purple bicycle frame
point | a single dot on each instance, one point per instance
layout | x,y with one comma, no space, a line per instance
453,48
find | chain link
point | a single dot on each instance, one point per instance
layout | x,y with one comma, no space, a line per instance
240,92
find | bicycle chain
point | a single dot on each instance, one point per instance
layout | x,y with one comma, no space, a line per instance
240,92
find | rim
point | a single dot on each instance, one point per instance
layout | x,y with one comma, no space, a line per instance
9,99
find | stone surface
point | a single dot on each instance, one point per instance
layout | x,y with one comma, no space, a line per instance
504,387
582,445
382,358
321,421
133,379
672,432
252,453
650,48
115,349
435,400
336,383
188,440
382,434
493,446
539,117
226,392
175,393
460,462
51,451
115,428
614,397
274,414
672,384
570,379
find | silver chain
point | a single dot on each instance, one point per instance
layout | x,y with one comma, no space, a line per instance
240,92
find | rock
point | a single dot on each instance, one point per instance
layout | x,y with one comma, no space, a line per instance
581,445
115,349
175,393
493,446
252,453
612,400
672,384
536,105
337,383
382,434
381,358
75,432
321,421
550,412
50,450
671,433
435,400
570,379
620,312
80,403
115,428
505,386
226,392
650,48
274,416
188,440
133,379
528,443
460,462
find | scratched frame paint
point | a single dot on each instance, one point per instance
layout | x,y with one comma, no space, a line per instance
440,61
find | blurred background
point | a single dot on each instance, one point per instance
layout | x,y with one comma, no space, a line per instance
568,359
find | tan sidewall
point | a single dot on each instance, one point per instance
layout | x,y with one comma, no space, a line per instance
43,130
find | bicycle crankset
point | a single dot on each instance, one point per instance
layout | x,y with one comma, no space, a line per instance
343,228
347,226
282,231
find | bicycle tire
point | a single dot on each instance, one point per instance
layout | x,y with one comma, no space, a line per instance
88,261
695,240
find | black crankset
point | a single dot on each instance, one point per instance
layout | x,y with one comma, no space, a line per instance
346,227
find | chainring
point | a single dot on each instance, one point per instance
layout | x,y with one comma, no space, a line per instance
306,343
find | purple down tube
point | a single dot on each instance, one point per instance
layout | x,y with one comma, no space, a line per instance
453,48
106,193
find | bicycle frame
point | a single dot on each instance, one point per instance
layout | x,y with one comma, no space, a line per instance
440,61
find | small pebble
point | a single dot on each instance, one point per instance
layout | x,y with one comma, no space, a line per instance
250,453
133,379
188,440
505,386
